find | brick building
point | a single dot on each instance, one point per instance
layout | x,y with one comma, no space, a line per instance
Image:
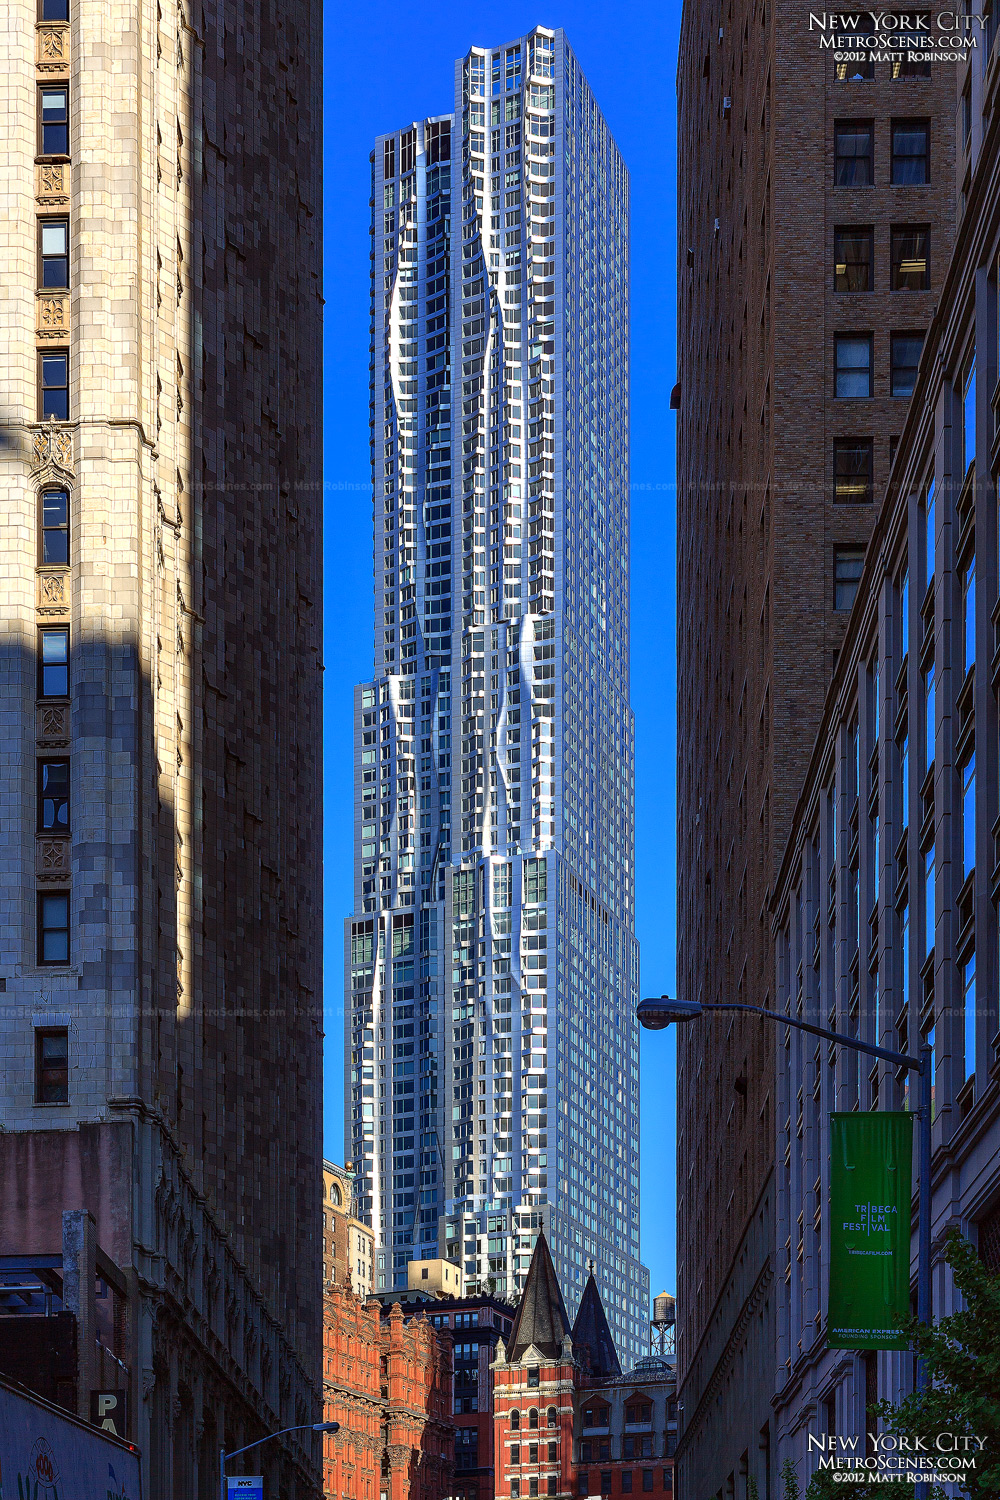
816,215
387,1381
348,1244
567,1420
476,1325
887,906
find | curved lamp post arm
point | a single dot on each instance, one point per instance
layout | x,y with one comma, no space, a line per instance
299,1427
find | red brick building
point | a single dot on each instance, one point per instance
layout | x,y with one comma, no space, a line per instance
567,1421
387,1381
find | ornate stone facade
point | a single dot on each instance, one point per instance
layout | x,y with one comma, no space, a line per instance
387,1381
182,596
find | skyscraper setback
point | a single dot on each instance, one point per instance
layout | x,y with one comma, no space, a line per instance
491,965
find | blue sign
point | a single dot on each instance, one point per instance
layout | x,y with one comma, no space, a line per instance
247,1488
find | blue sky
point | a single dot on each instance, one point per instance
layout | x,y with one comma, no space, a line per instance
386,65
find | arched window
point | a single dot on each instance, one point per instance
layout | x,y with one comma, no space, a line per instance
533,1417
515,1421
336,1197
552,1416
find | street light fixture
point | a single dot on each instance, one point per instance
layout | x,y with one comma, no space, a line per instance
224,1457
655,1014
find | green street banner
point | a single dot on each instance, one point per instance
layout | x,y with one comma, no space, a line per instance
870,1165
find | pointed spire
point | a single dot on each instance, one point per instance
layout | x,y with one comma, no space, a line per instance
541,1319
591,1332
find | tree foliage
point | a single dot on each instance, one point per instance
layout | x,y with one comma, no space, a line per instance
962,1356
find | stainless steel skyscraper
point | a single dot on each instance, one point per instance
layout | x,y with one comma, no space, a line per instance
491,965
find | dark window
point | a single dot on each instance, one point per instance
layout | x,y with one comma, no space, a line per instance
640,1411
852,260
52,1066
53,927
532,1486
515,1421
604,1450
54,370
53,104
988,1241
910,257
605,1481
466,1448
907,67
550,1484
515,1453
53,663
552,1419
533,1378
848,563
53,250
586,1453
852,471
626,1482
855,72
515,1488
583,1483
911,151
906,349
552,1453
595,1416
533,1418
853,365
532,1453
54,10
54,550
647,1480
53,796
668,1479
853,153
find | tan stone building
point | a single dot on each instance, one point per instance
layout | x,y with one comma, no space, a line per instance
160,1008
348,1244
815,216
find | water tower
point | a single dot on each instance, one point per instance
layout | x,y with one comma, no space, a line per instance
661,1329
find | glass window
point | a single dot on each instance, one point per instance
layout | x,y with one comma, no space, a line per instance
53,663
929,717
53,235
53,796
910,67
904,613
969,1013
854,72
910,257
55,527
848,564
54,10
54,110
911,151
969,412
647,1480
54,387
852,471
853,364
626,1481
852,146
930,539
53,927
52,1066
928,901
905,349
852,260
968,774
969,615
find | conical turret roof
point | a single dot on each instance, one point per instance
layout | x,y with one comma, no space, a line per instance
541,1319
591,1331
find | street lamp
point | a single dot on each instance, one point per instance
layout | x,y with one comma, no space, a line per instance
224,1457
655,1014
